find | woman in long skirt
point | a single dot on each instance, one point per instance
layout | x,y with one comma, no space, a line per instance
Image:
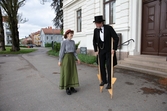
67,58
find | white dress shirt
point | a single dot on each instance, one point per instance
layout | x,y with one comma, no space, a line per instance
102,34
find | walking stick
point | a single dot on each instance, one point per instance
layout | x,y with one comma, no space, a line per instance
99,74
113,79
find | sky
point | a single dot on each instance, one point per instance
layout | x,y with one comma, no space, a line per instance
38,15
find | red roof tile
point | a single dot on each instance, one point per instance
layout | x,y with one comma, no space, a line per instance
49,30
35,33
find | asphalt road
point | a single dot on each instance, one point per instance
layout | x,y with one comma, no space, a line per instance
29,82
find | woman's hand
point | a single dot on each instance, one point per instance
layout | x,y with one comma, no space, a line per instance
79,61
59,63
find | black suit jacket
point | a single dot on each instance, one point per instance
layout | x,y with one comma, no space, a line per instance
108,34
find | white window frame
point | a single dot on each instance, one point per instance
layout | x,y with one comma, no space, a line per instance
109,11
79,20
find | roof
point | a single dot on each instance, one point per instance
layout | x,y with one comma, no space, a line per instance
35,33
49,30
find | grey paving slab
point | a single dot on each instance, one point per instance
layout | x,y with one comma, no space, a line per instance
29,82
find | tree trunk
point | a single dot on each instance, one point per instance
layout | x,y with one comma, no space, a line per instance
2,41
15,38
15,44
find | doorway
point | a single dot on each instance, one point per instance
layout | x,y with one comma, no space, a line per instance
154,27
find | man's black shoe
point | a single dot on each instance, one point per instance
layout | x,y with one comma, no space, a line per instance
102,83
108,86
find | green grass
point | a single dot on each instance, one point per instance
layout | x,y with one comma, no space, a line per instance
54,53
22,51
89,59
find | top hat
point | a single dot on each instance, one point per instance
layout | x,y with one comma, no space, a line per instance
98,19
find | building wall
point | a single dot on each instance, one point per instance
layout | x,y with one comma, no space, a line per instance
4,27
42,38
37,40
7,34
51,37
128,22
88,13
54,38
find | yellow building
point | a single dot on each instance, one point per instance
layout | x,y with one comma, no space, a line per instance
36,38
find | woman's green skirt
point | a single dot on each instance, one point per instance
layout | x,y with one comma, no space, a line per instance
68,72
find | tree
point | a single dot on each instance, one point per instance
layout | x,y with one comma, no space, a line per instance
2,41
11,8
58,20
57,5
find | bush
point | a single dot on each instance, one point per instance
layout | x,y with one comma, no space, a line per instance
76,45
56,47
87,58
48,45
83,58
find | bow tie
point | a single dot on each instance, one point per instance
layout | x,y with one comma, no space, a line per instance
100,30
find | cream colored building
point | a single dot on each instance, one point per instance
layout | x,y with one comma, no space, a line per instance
141,20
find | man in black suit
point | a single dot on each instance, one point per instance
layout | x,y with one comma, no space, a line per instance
102,46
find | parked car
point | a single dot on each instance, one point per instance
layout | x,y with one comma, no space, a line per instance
30,45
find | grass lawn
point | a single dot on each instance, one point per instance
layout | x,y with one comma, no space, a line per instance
54,53
22,51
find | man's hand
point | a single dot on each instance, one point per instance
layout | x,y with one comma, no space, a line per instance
96,53
112,52
59,63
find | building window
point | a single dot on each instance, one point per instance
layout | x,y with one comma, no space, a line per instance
109,11
79,21
51,38
47,38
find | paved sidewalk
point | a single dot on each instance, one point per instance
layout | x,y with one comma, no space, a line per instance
29,82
